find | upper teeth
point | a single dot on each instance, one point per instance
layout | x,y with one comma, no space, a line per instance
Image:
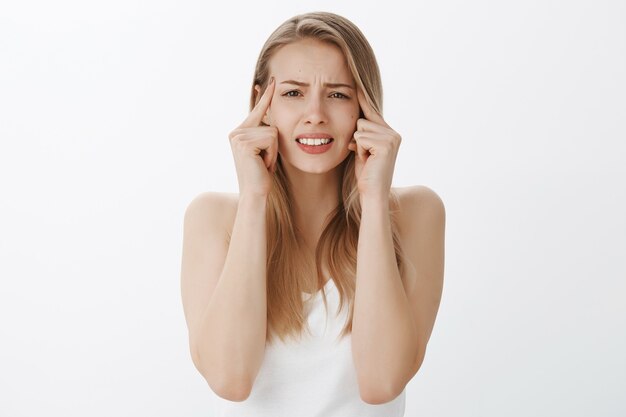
311,141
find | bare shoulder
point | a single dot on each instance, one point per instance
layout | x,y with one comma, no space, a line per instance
419,203
207,226
422,218
211,199
211,208
421,228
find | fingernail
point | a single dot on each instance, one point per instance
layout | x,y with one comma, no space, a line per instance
271,80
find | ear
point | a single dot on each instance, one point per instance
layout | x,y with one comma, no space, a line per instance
257,94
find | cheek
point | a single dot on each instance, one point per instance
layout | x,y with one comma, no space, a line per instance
284,137
354,117
282,112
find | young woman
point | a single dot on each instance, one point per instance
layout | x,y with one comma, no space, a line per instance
314,291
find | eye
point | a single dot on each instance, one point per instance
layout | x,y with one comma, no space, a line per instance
339,95
287,94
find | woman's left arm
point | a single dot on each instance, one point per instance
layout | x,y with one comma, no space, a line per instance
392,321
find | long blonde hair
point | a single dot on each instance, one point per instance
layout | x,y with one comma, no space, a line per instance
338,241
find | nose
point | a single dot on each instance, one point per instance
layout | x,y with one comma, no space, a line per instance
315,110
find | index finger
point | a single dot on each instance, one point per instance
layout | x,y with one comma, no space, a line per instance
368,111
256,115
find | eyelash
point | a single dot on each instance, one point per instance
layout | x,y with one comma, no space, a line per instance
343,96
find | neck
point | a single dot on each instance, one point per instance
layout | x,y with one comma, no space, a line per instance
314,196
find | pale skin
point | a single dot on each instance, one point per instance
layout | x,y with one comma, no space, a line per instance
312,109
394,315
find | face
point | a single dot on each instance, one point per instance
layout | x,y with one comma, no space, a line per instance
314,106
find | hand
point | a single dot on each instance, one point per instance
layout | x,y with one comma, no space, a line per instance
255,148
376,146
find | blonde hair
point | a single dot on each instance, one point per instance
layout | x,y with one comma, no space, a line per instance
338,241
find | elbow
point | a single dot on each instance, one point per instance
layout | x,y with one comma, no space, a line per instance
376,397
231,389
236,392
227,387
375,394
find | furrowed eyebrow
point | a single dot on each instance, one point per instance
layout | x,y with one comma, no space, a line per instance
331,85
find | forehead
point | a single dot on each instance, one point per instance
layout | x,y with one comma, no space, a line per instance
310,58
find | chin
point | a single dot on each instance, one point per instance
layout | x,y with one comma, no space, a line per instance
316,168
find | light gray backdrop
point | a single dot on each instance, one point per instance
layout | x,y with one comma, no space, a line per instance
114,115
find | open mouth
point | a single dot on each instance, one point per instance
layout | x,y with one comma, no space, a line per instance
314,146
314,142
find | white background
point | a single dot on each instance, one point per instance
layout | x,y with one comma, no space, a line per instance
115,115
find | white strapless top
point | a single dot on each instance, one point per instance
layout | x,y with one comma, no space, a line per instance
313,378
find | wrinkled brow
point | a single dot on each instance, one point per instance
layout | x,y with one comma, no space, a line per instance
329,85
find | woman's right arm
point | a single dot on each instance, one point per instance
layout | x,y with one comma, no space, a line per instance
224,291
224,285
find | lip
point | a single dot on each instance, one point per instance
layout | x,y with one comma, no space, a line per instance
318,135
315,149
